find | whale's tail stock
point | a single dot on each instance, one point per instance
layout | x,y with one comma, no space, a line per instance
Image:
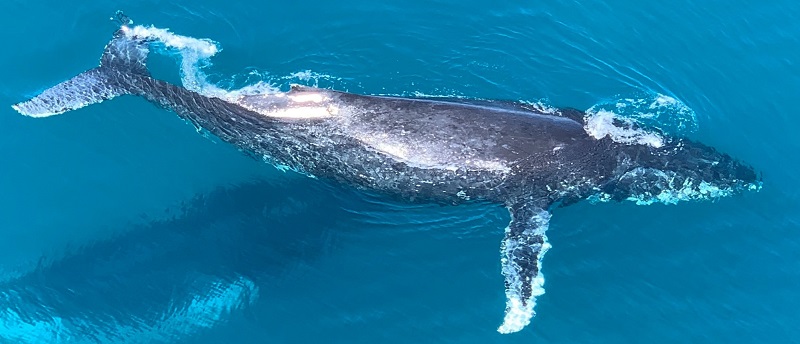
123,59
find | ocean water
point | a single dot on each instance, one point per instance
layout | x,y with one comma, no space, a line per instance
119,223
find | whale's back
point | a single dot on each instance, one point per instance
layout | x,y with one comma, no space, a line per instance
446,134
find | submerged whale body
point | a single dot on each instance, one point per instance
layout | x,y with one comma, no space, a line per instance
424,150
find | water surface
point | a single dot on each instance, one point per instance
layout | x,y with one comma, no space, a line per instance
120,224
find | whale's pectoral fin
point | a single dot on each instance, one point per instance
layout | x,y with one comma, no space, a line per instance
524,245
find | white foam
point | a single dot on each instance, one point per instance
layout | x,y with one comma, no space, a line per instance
302,75
652,110
195,54
664,101
541,106
192,50
601,123
308,75
205,47
518,315
260,87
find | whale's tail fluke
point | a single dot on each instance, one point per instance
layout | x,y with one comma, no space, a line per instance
124,56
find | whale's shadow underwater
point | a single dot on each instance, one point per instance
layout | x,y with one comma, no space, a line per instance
217,252
525,158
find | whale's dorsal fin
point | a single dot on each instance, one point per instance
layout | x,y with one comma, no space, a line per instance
523,247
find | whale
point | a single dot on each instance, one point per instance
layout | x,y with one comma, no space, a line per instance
529,159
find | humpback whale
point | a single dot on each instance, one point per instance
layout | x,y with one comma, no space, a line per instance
525,158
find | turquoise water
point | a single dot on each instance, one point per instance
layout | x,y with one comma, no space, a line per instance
120,224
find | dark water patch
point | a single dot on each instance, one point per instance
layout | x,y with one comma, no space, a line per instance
243,236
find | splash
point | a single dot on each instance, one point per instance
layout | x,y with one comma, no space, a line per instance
540,106
205,47
314,78
195,55
623,130
641,119
519,314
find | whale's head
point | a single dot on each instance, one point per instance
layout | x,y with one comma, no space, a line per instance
681,170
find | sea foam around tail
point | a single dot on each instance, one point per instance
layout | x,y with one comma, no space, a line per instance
195,55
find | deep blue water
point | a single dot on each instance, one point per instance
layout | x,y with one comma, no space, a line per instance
120,224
